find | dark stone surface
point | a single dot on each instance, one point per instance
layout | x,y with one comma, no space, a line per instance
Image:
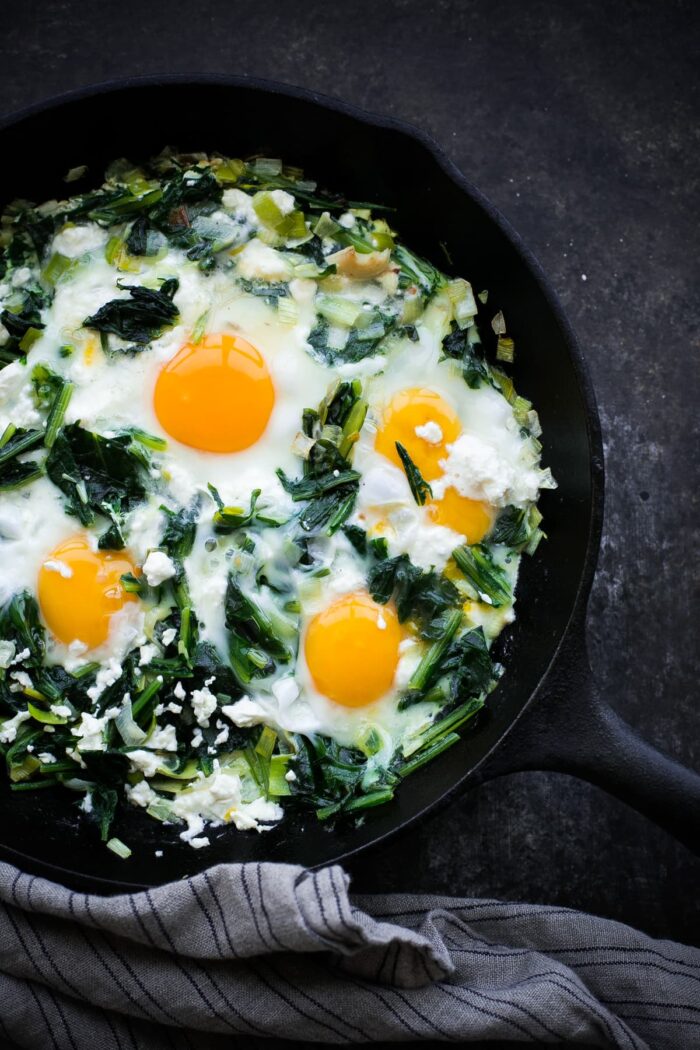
580,121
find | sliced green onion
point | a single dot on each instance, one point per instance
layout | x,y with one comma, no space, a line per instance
48,718
430,660
128,730
278,784
372,798
120,848
287,310
57,267
152,441
266,742
505,349
488,579
267,167
56,414
428,754
338,311
34,785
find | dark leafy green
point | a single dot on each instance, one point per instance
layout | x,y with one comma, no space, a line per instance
97,475
140,318
456,345
485,576
424,596
417,483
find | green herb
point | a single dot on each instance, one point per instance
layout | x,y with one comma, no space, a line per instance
415,270
14,442
140,318
459,344
251,634
423,596
488,579
512,528
97,475
417,483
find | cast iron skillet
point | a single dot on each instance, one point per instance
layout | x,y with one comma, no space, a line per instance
562,723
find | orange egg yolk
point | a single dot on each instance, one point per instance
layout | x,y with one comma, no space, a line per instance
470,517
216,395
411,409
80,589
414,408
352,649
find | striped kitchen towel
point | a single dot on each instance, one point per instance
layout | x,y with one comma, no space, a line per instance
242,953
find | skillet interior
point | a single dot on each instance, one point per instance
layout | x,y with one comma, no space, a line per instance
369,159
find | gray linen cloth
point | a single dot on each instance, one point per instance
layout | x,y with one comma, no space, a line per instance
242,953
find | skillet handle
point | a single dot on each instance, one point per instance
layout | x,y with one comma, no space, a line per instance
570,729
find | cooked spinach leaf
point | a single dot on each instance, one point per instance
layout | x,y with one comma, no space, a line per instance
458,346
423,596
97,475
254,643
140,318
512,527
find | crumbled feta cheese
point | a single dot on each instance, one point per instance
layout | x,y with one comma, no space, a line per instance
158,568
144,761
20,681
21,277
179,691
430,432
222,737
197,738
105,677
174,708
62,710
241,203
284,201
290,776
477,471
168,636
141,794
147,653
163,739
258,261
199,842
90,731
8,729
23,655
346,220
46,757
244,713
203,704
7,654
77,240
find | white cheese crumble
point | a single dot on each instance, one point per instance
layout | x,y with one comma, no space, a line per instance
8,730
91,730
163,739
477,471
74,241
284,201
258,261
430,432
144,762
245,712
158,568
203,704
7,654
168,636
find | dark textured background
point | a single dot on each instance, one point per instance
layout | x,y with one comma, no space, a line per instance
580,122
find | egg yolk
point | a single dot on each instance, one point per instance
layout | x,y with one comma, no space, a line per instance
470,517
216,395
80,589
352,649
411,409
